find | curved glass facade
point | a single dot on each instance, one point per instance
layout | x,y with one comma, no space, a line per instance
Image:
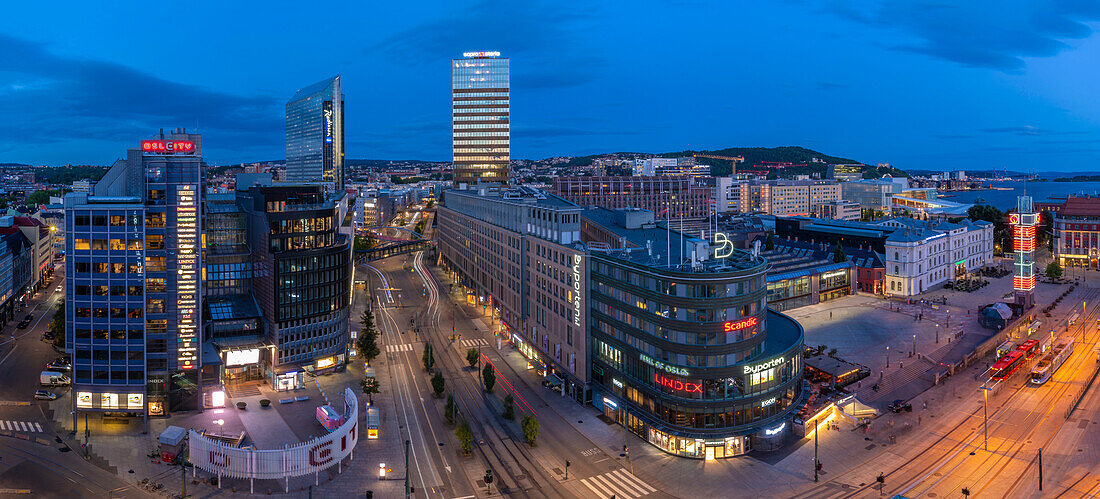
693,361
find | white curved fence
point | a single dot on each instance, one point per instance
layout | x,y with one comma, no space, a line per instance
303,459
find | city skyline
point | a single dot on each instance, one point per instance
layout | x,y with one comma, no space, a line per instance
877,82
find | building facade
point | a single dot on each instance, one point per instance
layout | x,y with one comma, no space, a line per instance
1077,231
839,210
685,352
518,250
667,196
875,194
782,198
481,118
844,172
315,135
133,282
920,255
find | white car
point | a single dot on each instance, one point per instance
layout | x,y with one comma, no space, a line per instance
60,288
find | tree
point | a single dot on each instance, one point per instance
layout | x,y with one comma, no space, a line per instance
367,343
509,408
465,436
41,197
437,384
1054,270
449,409
370,387
530,427
838,255
471,357
429,358
769,243
489,377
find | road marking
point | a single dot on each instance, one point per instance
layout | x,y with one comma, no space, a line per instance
407,347
475,342
39,427
14,402
31,427
4,425
590,452
23,426
618,483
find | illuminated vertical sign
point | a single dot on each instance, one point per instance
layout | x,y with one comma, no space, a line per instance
187,272
577,301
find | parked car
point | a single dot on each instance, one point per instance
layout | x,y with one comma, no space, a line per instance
29,317
23,325
48,335
58,366
62,360
900,405
44,395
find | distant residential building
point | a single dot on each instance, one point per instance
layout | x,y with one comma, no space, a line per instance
315,135
83,185
844,172
781,198
666,196
481,118
839,210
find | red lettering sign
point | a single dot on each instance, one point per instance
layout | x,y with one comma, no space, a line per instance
219,459
677,385
320,454
738,325
167,146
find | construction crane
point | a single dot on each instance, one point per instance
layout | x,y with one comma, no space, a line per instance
732,159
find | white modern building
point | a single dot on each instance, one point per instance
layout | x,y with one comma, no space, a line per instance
920,255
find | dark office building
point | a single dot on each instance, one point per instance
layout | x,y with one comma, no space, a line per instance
684,350
132,271
315,135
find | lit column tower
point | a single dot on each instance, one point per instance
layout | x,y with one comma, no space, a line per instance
1024,223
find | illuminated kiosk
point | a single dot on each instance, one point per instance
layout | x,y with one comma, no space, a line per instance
1024,223
685,353
304,459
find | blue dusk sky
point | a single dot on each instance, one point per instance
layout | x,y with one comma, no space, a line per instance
919,84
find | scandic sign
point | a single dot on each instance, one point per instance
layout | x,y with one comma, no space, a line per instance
738,325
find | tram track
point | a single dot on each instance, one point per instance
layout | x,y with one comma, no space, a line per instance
964,440
503,448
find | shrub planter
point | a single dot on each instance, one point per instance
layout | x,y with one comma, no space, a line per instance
264,402
241,405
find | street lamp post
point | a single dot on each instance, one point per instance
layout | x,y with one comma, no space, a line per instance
985,414
914,352
888,357
816,465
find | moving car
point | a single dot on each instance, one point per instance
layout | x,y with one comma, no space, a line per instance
44,395
59,366
60,287
900,405
23,325
29,317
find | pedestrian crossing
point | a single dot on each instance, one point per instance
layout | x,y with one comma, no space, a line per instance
619,484
22,426
406,347
474,343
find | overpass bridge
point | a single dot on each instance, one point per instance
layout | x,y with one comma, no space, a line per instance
392,246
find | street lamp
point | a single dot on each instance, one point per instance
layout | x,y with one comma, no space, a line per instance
887,356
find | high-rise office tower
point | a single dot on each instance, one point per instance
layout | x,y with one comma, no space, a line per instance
315,135
481,149
132,282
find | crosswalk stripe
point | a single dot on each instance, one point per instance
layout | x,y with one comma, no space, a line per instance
23,425
627,483
593,489
36,425
622,484
639,481
4,424
593,483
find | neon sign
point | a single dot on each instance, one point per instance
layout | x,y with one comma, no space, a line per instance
481,54
725,246
167,146
768,402
739,325
677,385
577,290
766,365
775,431
661,365
187,237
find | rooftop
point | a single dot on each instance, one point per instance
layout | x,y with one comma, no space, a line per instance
520,195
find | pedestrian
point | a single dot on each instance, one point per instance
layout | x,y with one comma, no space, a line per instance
830,314
918,420
924,404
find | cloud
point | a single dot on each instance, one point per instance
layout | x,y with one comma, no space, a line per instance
1028,130
46,99
997,35
547,38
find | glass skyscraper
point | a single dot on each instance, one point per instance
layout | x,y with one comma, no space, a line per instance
315,135
481,147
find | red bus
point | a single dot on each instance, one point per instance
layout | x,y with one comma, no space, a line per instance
1007,365
1029,347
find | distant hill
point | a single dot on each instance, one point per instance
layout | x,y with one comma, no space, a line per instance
759,155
